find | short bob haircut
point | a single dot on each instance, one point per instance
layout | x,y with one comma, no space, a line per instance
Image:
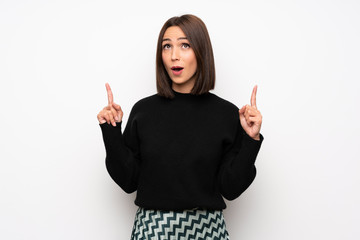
198,37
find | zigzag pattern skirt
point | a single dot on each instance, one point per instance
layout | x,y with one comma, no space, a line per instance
179,225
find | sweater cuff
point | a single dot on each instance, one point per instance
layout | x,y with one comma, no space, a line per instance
252,144
109,129
104,125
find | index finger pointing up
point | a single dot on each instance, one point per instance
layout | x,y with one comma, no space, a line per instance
253,97
109,94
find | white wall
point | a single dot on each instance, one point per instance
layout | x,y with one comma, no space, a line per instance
55,57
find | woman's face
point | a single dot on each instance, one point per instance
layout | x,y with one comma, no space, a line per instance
179,59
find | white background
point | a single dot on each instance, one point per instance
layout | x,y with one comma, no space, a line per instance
55,57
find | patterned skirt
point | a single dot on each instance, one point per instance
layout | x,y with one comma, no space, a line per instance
179,225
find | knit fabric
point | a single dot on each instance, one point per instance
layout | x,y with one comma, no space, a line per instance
181,153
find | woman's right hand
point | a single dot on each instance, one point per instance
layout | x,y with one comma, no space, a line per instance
112,113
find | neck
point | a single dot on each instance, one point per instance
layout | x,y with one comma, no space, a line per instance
183,88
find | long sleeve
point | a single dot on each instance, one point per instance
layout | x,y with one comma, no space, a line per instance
181,153
237,170
122,153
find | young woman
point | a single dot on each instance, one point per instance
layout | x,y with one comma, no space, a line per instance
183,149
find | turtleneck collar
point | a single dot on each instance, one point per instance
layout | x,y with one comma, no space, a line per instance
187,95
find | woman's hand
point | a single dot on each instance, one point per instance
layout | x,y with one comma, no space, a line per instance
250,117
112,113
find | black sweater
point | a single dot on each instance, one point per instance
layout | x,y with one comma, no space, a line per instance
181,153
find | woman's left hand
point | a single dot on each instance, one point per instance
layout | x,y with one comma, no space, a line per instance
251,118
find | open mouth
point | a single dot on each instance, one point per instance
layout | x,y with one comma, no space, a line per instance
177,69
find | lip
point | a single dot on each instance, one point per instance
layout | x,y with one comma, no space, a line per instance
177,72
173,67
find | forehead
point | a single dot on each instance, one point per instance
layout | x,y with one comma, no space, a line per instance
173,33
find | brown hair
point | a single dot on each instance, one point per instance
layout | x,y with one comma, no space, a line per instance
198,36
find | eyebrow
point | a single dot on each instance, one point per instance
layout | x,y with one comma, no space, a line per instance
180,38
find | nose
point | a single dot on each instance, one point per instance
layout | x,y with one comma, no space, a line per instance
175,55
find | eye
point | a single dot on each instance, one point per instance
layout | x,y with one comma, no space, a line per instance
166,46
185,45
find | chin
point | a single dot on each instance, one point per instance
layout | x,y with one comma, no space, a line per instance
179,82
